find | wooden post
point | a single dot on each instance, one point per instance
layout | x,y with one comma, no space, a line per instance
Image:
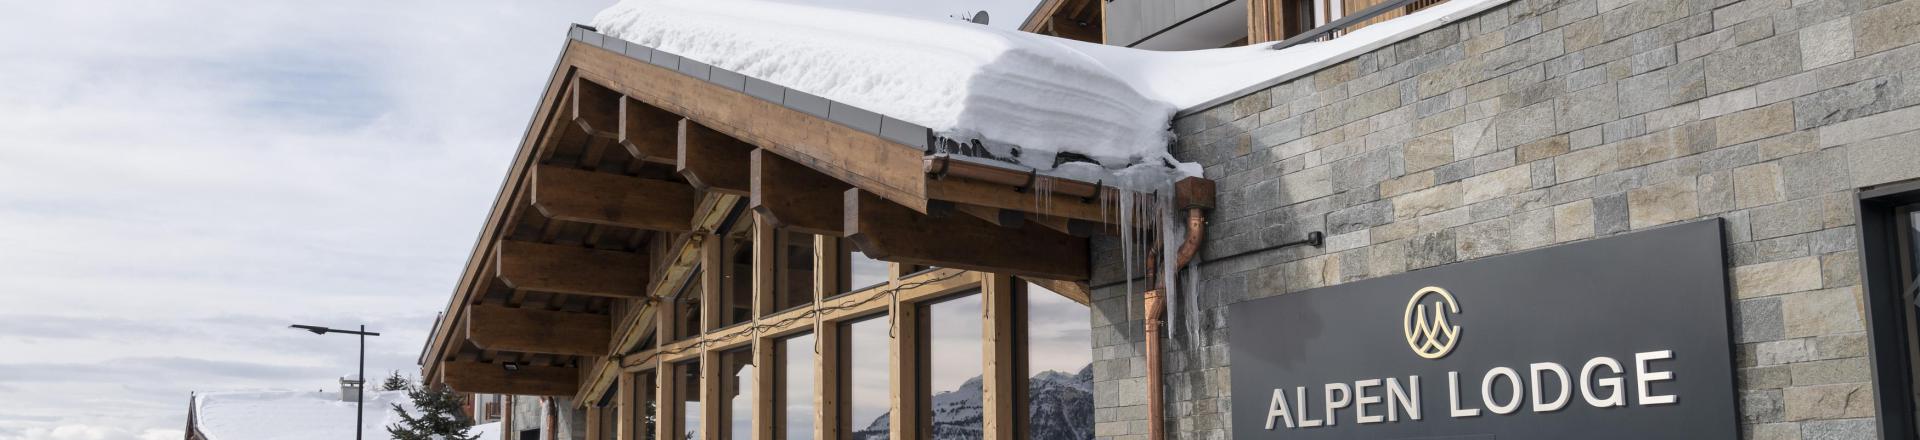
712,397
626,405
766,249
827,415
667,412
713,263
908,353
999,374
766,403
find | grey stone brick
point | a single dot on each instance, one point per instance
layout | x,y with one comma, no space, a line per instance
1855,429
1585,108
1826,43
1433,249
1758,320
1753,63
1794,217
1761,406
1820,172
1610,214
1887,27
1855,100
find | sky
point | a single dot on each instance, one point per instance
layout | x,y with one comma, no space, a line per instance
182,179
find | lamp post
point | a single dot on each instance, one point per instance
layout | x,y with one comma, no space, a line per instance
360,401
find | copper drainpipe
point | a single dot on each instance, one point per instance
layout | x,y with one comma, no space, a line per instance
1156,306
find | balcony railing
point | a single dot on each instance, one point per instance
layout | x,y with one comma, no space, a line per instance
1342,23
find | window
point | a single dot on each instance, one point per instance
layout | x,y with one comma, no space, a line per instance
687,308
1059,362
954,358
794,285
736,294
736,385
644,407
794,421
857,272
1890,265
864,355
686,390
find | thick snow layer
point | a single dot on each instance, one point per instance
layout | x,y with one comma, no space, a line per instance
1008,88
293,415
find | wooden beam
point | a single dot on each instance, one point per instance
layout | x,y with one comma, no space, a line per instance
609,199
860,158
891,232
596,109
1074,290
571,269
795,197
649,133
713,161
525,380
1001,385
497,327
992,195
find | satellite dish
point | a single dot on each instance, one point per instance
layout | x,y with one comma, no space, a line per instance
979,18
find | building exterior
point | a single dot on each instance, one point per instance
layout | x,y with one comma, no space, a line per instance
1587,218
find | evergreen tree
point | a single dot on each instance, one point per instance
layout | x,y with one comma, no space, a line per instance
440,417
395,382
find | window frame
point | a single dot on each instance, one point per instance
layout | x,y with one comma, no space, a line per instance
1892,343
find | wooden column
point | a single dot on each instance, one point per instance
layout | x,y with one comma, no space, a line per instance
908,359
627,405
667,413
1000,379
594,429
766,405
712,398
827,415
713,270
766,249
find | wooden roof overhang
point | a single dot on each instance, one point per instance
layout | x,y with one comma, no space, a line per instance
635,156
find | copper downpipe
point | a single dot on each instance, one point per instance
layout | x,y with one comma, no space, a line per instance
1156,306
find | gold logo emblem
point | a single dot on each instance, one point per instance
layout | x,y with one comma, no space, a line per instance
1431,337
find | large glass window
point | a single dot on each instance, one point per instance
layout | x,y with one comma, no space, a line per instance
687,310
865,380
857,272
736,385
736,294
644,409
795,419
687,398
795,262
1059,359
955,359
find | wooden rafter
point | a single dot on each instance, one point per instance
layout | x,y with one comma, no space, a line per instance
648,132
611,199
571,269
891,232
713,161
497,327
793,196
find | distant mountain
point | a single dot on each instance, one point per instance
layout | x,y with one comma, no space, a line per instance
1061,409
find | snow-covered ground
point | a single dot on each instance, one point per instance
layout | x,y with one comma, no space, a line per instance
1008,88
297,415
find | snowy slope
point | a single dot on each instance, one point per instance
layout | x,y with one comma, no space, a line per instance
1043,94
292,415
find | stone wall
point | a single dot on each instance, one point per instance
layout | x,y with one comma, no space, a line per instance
1542,122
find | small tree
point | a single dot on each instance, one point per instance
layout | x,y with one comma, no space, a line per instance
395,382
440,415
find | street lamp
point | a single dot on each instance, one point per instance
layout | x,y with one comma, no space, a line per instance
360,406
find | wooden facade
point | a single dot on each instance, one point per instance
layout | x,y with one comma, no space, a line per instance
655,225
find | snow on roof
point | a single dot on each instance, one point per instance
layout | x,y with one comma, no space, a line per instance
1008,88
292,415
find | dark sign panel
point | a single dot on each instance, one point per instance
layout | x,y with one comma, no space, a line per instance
1623,337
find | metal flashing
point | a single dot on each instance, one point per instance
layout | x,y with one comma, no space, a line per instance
855,117
727,78
762,89
693,68
911,134
807,103
663,59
